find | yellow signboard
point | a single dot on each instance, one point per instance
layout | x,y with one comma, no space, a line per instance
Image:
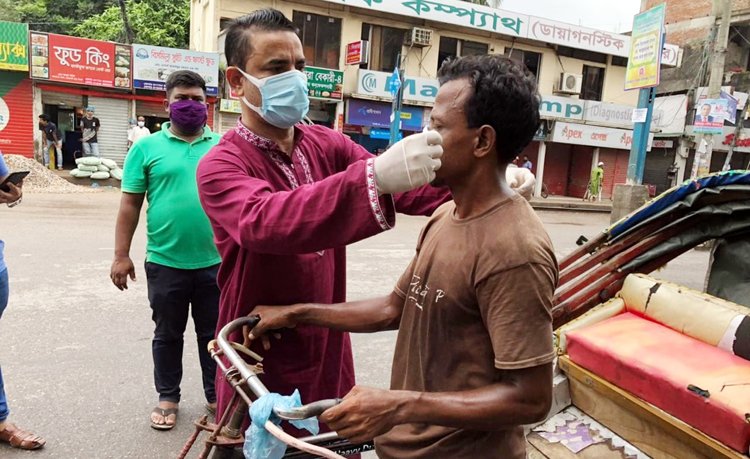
644,61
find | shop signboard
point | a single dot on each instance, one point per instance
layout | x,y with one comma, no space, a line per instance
594,136
378,115
644,61
357,52
230,106
661,143
14,46
152,65
80,61
377,84
325,83
561,107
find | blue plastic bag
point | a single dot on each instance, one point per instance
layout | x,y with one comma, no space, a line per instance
259,443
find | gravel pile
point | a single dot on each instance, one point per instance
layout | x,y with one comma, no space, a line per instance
41,179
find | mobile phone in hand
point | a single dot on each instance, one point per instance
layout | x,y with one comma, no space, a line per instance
15,178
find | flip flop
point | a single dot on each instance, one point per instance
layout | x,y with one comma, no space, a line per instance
21,439
164,412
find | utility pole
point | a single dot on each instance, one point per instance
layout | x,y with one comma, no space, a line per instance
397,90
702,162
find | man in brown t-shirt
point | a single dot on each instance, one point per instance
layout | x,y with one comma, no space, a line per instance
473,359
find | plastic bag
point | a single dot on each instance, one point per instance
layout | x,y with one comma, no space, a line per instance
259,443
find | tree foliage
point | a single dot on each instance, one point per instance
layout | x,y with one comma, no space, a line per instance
153,23
159,23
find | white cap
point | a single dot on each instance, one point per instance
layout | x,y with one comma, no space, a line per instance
601,163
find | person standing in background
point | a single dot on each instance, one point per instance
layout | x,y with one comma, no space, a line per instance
90,128
52,139
527,163
9,432
595,184
138,131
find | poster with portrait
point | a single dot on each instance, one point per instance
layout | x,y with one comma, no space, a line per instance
710,116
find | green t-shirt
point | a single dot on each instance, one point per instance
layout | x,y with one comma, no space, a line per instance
163,166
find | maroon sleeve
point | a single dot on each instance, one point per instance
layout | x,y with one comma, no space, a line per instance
421,201
333,212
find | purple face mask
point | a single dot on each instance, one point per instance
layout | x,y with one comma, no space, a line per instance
189,116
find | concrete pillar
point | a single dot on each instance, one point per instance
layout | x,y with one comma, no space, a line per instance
540,158
595,158
338,121
626,199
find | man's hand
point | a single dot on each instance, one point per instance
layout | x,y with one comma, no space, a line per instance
6,197
122,267
271,318
366,413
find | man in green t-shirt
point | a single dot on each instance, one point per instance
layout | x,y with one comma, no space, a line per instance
181,258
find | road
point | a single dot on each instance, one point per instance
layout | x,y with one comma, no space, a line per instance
76,352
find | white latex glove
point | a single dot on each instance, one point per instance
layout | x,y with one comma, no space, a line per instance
409,164
521,180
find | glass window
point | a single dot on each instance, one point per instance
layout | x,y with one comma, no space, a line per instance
593,83
385,45
452,47
620,61
474,48
530,59
448,49
321,38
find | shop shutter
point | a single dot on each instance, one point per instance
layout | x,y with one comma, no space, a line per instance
658,161
17,124
113,135
227,121
62,98
148,108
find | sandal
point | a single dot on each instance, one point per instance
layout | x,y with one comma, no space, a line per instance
164,412
20,439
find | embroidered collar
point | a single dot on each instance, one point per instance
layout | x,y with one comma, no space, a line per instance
263,143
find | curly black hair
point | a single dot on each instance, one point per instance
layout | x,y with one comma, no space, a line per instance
505,97
237,45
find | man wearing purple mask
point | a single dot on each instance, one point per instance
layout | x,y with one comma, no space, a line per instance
181,258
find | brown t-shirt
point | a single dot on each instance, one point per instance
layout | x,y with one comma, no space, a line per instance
477,299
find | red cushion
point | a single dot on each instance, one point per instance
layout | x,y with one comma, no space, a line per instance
657,364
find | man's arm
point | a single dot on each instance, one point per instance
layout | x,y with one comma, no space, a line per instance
519,397
366,316
127,222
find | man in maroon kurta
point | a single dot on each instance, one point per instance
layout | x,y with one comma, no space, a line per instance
284,202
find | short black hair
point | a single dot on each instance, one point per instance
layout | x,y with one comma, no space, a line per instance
185,79
505,97
44,117
237,43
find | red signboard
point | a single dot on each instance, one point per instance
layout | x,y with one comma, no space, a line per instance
17,124
80,61
356,53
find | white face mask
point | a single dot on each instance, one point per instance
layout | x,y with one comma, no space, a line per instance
141,123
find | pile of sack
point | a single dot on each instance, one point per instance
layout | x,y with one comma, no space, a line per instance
96,168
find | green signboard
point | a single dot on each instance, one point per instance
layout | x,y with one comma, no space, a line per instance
325,83
14,46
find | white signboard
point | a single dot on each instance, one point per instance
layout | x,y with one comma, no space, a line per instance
661,143
376,84
671,55
606,113
564,34
594,136
152,65
561,107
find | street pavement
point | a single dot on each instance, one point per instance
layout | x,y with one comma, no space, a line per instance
76,352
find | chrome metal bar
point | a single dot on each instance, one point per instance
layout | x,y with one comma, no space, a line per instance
255,385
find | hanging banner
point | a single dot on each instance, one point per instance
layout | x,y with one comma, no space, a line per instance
14,44
79,61
152,65
644,61
709,119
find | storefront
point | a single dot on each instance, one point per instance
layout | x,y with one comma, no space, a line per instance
575,149
368,122
326,92
16,115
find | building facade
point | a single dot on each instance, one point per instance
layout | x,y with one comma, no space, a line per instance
580,73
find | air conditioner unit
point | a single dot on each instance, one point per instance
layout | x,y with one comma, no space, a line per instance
570,83
418,36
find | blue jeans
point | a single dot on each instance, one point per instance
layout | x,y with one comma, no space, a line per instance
4,412
91,149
